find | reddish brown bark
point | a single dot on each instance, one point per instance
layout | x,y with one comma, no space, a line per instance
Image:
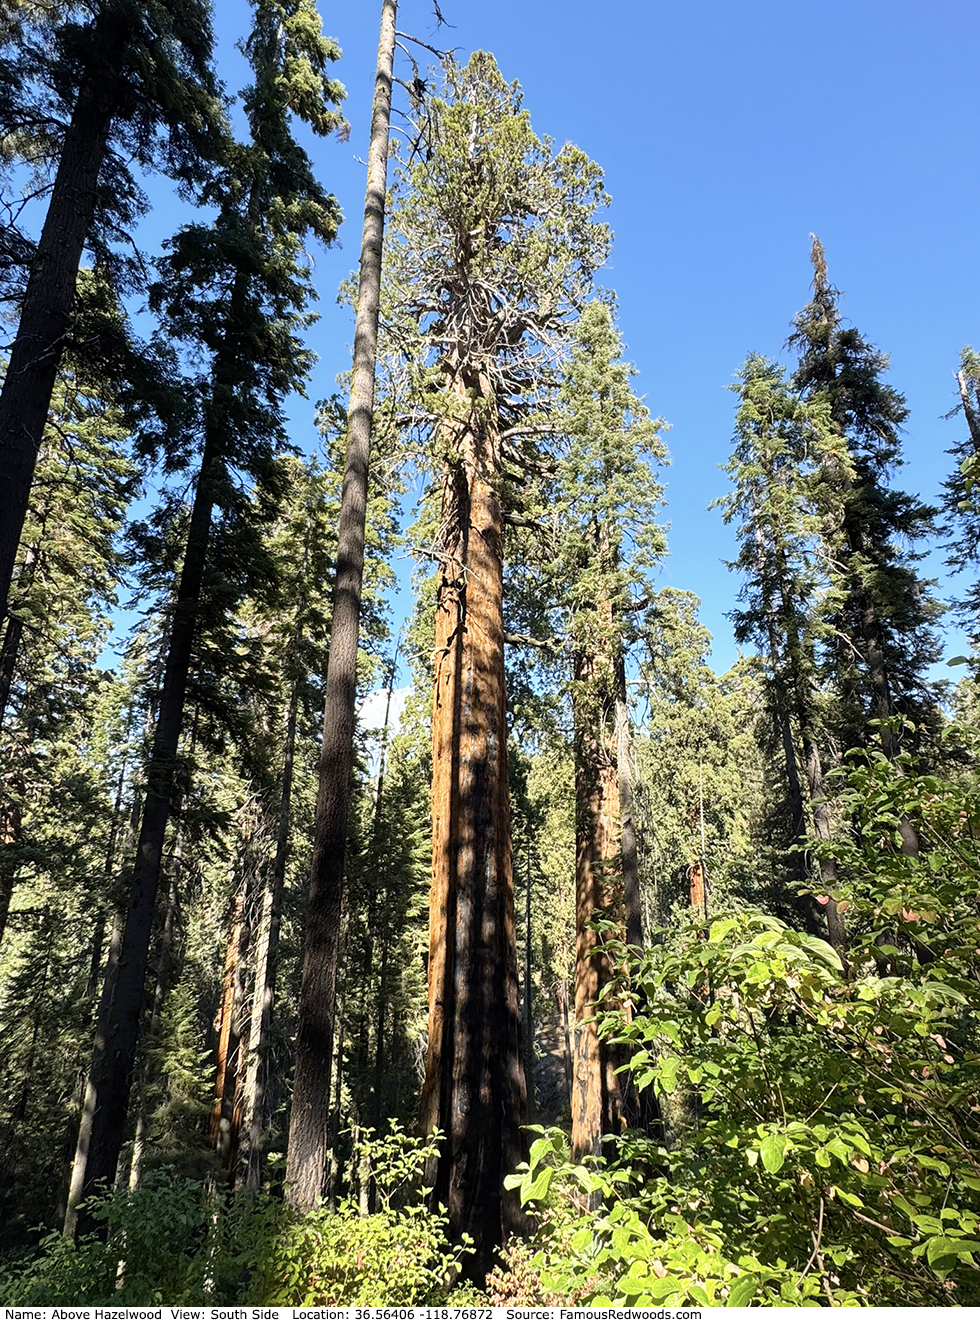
474,1088
695,876
597,1099
224,1024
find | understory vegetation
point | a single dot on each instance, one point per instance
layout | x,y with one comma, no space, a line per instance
456,934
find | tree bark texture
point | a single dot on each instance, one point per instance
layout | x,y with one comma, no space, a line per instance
165,977
222,1108
597,1099
474,1088
266,957
9,649
627,820
10,836
37,348
310,1114
112,1063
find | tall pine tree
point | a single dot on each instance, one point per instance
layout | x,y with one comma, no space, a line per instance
237,288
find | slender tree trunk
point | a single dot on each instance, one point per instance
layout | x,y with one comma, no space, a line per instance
266,957
45,312
9,649
969,410
220,1127
381,912
627,821
380,1017
309,1117
10,834
561,994
86,1123
597,1098
836,931
81,1128
160,989
474,1088
112,1063
333,1171
527,1000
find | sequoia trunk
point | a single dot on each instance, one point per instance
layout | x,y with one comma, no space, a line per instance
597,1097
474,1088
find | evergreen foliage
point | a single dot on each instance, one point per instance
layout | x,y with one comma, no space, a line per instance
719,930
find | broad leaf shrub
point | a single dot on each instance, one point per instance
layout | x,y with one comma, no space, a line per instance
830,1148
178,1241
398,1256
171,1241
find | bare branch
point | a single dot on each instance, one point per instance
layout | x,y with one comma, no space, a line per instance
553,645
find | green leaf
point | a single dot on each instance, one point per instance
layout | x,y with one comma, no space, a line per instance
742,1291
538,1187
944,1247
668,1073
773,1149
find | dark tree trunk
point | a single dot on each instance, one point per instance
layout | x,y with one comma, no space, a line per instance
632,900
10,833
112,1063
380,906
46,310
164,978
310,1115
527,999
266,958
601,766
474,1089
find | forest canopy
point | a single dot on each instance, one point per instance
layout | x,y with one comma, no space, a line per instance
454,934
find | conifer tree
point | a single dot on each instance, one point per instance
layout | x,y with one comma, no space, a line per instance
607,505
493,245
784,449
959,495
126,81
309,1137
884,612
238,289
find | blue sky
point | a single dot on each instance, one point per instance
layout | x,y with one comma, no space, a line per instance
728,132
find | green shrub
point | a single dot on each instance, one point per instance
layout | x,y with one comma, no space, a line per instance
178,1241
831,1147
343,1258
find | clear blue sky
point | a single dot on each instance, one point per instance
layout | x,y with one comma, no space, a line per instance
728,131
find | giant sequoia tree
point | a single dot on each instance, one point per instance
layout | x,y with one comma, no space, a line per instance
237,289
494,241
